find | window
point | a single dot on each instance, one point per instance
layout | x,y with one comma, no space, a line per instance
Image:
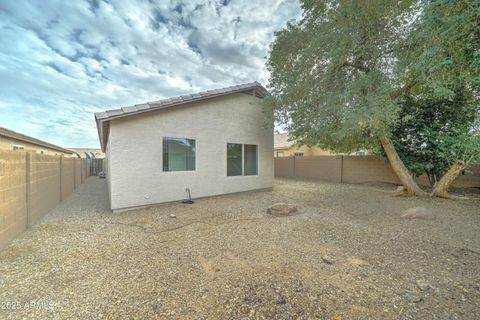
242,159
280,154
250,159
234,159
178,154
298,154
15,147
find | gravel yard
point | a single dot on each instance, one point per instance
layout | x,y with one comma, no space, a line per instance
348,255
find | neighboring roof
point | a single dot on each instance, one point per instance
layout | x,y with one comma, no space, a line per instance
19,136
88,152
103,118
280,141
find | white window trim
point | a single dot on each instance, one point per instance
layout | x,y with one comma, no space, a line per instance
243,160
182,171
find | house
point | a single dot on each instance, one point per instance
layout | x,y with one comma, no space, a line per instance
11,140
88,153
209,143
284,147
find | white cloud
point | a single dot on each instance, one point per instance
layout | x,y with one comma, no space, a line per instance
61,61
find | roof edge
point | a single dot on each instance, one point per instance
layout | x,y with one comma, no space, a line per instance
22,137
103,118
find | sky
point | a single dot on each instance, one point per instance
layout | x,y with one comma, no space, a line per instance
61,61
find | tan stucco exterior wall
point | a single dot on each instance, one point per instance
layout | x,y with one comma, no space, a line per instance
134,155
7,143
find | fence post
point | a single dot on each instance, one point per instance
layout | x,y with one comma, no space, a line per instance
61,166
341,169
27,185
294,169
74,184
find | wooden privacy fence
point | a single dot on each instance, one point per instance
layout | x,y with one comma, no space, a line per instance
33,184
355,169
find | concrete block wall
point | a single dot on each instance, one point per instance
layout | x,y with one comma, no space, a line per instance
77,172
328,168
44,183
13,202
356,169
67,182
363,169
285,167
31,185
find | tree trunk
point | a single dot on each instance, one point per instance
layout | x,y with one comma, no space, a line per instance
441,188
410,185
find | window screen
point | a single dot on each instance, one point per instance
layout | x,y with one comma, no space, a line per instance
234,159
250,159
178,154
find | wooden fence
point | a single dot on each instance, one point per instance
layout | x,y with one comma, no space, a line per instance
33,184
355,169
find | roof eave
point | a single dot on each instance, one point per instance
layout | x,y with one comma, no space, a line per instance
103,118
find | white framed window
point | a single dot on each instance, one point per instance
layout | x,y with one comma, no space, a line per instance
280,154
298,154
250,159
178,154
234,159
242,159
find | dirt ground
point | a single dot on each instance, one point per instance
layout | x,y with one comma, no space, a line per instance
349,255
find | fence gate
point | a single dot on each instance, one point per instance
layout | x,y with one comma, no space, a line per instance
96,166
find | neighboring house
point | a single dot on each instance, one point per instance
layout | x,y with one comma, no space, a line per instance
88,152
11,140
283,147
213,142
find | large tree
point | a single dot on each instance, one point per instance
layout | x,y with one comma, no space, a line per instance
444,62
332,75
337,75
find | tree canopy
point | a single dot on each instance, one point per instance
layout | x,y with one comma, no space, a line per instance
340,74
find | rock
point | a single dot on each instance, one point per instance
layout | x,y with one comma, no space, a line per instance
281,301
282,209
172,216
422,285
357,262
328,259
418,213
412,296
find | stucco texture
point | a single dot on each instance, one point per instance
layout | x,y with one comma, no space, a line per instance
134,152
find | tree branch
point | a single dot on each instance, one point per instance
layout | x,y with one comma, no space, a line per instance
406,88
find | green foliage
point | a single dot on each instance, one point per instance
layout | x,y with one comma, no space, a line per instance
446,52
331,73
433,134
337,74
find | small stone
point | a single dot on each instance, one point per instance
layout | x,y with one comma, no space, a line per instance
328,259
422,285
172,216
418,213
282,209
412,296
357,262
282,301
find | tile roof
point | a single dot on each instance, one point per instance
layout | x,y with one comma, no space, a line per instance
280,141
103,118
